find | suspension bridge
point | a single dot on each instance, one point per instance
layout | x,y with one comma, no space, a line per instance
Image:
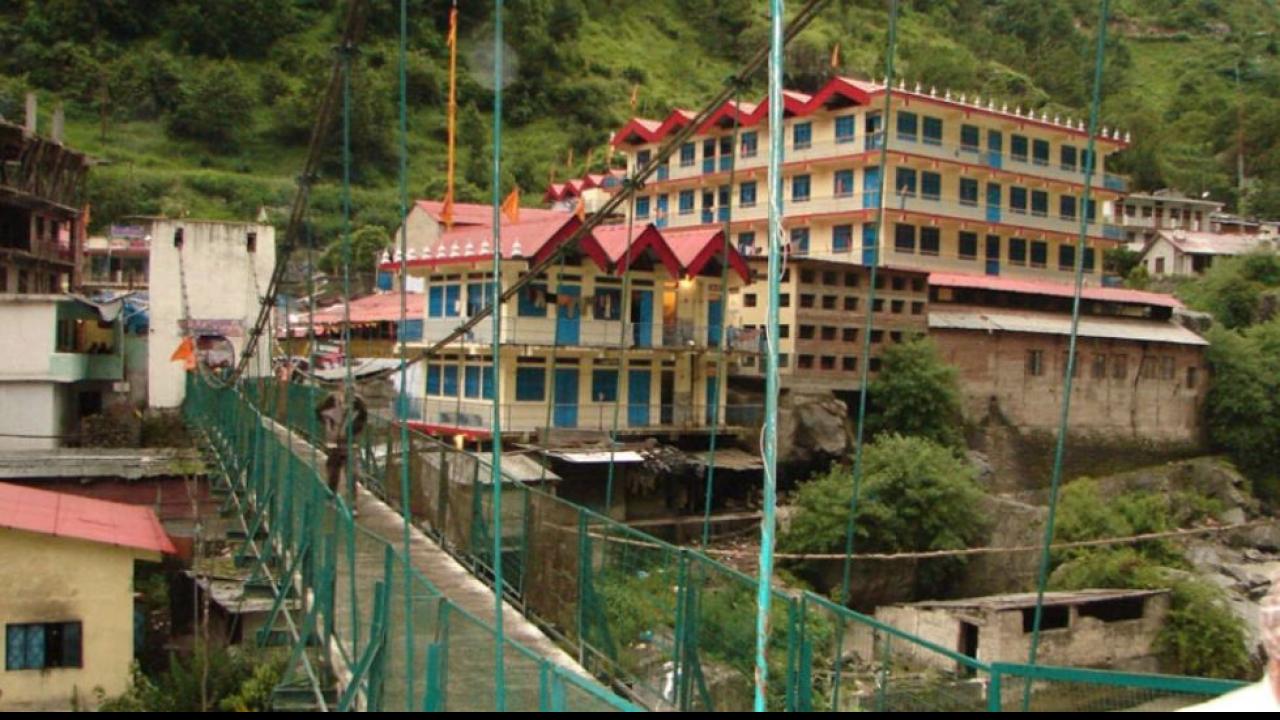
440,582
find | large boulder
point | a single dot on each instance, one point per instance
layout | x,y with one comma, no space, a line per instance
812,428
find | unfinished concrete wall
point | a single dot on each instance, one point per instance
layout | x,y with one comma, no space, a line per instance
1147,391
39,420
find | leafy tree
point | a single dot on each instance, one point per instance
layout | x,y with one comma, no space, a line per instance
916,495
1232,289
916,393
212,106
1242,409
245,28
1120,260
367,245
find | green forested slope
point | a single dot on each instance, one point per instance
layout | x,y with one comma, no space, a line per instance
203,106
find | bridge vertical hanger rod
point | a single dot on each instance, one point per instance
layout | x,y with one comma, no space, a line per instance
764,591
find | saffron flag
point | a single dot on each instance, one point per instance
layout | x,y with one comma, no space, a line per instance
186,353
446,210
511,206
580,212
835,56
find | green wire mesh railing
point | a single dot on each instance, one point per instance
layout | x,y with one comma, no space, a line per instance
357,601
667,626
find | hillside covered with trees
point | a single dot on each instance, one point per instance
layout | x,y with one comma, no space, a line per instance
203,107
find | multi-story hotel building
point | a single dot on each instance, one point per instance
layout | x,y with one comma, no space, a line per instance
971,187
573,346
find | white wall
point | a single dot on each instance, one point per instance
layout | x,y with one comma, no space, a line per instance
220,282
28,329
31,409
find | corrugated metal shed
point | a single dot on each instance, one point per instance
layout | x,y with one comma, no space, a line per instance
1051,324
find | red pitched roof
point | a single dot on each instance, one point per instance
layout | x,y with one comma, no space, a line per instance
613,239
697,246
69,516
382,307
481,215
1054,289
860,92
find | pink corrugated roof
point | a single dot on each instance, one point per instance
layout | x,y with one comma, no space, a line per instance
382,307
1054,289
69,516
482,215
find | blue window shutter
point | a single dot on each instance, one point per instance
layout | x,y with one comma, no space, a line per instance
35,647
471,381
15,647
435,301
487,392
433,379
531,383
452,300
451,380
71,644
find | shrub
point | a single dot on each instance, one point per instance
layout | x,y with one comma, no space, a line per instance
916,495
212,107
916,393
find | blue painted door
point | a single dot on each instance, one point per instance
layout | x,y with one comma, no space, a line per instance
566,398
993,202
715,320
995,149
871,187
568,314
638,398
993,254
870,239
642,317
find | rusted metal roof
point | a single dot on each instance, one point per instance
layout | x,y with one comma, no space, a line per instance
1115,328
1051,289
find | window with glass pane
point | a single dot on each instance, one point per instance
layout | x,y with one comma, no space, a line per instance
435,301
450,381
1040,152
747,194
904,238
968,191
433,379
1018,200
1018,147
688,154
871,126
746,241
932,131
930,240
642,158
1066,257
841,238
532,300
1091,210
1068,155
604,385
531,384
471,382
970,138
1039,253
908,126
905,182
686,202
801,135
1039,203
844,129
1088,259
843,183
1067,207
1017,251
642,208
749,144
930,185
968,246
607,304
800,188
800,240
